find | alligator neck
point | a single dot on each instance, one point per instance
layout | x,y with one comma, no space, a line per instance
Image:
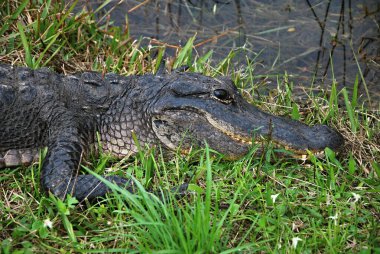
127,118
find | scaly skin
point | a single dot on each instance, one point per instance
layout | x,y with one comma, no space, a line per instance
40,108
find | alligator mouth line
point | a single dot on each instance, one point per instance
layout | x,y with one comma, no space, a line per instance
234,136
298,154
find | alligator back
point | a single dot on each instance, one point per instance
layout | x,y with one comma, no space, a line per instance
23,94
28,99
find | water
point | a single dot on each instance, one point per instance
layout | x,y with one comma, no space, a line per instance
313,41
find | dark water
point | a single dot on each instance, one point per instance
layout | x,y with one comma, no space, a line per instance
308,39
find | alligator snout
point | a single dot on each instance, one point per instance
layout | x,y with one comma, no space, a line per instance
293,135
323,136
300,138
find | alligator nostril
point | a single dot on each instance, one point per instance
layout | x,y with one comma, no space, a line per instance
159,123
322,129
326,136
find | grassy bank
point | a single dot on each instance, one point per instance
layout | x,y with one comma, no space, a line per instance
258,203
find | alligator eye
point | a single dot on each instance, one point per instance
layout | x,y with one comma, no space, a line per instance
222,95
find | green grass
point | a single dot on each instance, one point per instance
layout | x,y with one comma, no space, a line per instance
256,204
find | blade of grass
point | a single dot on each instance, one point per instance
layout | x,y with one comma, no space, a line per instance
350,111
54,53
102,6
208,184
64,211
361,73
47,7
24,40
185,53
354,100
159,59
52,40
333,103
199,65
13,17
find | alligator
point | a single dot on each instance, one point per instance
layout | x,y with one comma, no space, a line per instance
72,114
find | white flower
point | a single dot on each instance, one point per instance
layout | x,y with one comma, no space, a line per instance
356,197
295,241
328,199
274,197
48,223
334,218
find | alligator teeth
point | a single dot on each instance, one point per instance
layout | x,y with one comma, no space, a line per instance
232,135
299,154
319,154
237,137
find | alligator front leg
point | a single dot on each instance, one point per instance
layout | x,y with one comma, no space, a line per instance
61,165
60,169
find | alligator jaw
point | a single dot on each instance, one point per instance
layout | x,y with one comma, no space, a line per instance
184,129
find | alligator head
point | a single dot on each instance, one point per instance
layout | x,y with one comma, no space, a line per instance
192,109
